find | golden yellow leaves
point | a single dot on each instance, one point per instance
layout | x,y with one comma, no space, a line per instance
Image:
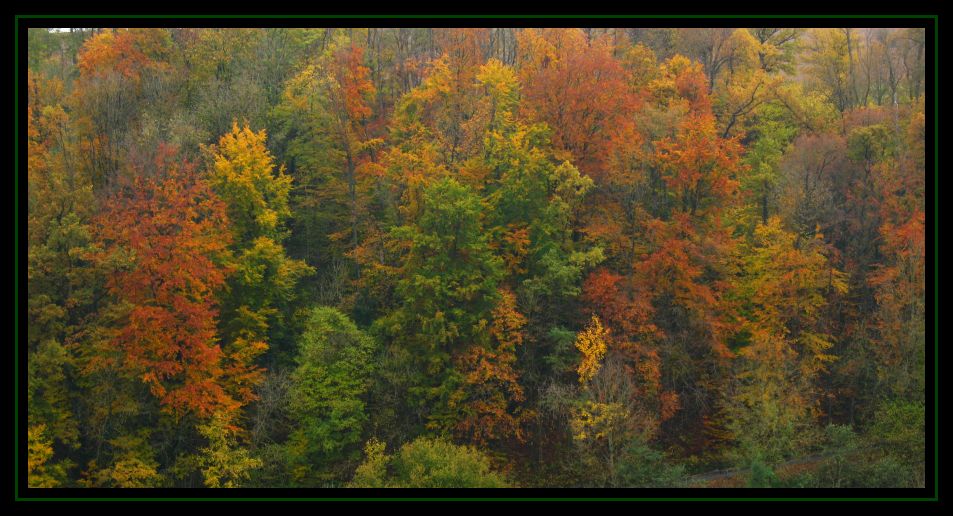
223,462
592,342
596,420
39,451
244,173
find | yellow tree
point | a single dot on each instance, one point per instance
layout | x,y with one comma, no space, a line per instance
591,342
260,292
223,463
747,86
782,288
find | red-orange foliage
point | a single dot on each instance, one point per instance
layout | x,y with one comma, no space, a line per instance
126,51
900,280
514,247
676,268
579,89
351,110
900,285
698,166
174,229
644,366
354,79
692,84
464,48
613,299
36,147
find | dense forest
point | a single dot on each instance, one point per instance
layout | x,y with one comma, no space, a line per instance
475,257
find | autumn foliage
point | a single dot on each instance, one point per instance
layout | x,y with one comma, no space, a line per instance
166,237
443,257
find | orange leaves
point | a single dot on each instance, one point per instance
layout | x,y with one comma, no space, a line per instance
97,53
675,264
601,292
692,84
581,91
621,307
199,393
463,46
907,239
176,231
356,87
507,327
684,246
699,166
241,375
681,83
536,51
514,248
670,405
126,51
492,390
625,374
489,412
682,267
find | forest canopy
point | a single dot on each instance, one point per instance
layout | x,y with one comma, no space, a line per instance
476,257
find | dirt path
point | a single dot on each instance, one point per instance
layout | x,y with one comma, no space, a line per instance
725,474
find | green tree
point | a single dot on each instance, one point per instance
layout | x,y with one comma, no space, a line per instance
61,283
449,289
328,391
643,466
533,199
898,428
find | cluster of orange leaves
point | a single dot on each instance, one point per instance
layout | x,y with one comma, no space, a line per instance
492,381
175,231
126,51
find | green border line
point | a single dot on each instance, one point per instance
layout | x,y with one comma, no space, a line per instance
16,259
936,281
936,154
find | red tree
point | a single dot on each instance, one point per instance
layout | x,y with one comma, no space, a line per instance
579,89
168,236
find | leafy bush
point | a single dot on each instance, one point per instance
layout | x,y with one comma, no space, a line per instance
644,467
762,475
426,462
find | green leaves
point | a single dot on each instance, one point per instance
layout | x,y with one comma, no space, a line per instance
261,288
452,273
753,198
448,290
329,385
